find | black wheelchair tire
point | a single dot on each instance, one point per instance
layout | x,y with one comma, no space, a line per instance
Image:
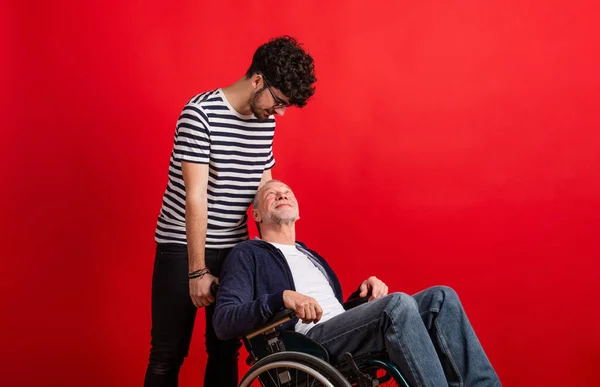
320,366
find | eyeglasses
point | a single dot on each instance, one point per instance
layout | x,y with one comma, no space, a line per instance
279,103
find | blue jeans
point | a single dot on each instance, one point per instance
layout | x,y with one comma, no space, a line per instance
427,335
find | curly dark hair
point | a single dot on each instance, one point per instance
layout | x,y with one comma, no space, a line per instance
287,67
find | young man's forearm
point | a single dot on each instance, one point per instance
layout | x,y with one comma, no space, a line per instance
196,221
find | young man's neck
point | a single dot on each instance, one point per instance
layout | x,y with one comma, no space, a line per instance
238,95
283,234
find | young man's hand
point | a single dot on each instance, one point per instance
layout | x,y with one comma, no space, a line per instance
200,290
307,308
376,286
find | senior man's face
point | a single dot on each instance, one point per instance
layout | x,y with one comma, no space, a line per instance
278,203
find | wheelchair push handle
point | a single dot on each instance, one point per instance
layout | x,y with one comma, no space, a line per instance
214,288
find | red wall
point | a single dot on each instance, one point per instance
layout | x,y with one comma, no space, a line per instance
447,144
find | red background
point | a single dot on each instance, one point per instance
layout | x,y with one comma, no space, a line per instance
448,143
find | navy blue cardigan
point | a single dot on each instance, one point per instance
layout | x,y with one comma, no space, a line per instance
253,279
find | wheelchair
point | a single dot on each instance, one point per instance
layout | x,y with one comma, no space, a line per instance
282,358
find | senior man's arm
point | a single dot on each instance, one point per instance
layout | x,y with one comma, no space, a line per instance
238,310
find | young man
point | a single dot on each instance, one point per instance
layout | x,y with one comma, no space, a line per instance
427,335
222,152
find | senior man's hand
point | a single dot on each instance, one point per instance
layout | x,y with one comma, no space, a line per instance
307,308
376,286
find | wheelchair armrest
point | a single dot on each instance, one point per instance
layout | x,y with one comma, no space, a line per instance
353,303
279,318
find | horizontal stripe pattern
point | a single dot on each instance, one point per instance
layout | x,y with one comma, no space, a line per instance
237,149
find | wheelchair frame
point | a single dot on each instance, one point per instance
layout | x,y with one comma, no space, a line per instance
269,349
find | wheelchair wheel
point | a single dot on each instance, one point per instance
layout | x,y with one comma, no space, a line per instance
293,369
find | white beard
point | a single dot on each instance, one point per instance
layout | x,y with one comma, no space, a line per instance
279,219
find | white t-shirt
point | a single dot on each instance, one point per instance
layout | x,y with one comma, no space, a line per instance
310,281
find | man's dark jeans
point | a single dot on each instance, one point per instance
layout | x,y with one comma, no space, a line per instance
173,315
